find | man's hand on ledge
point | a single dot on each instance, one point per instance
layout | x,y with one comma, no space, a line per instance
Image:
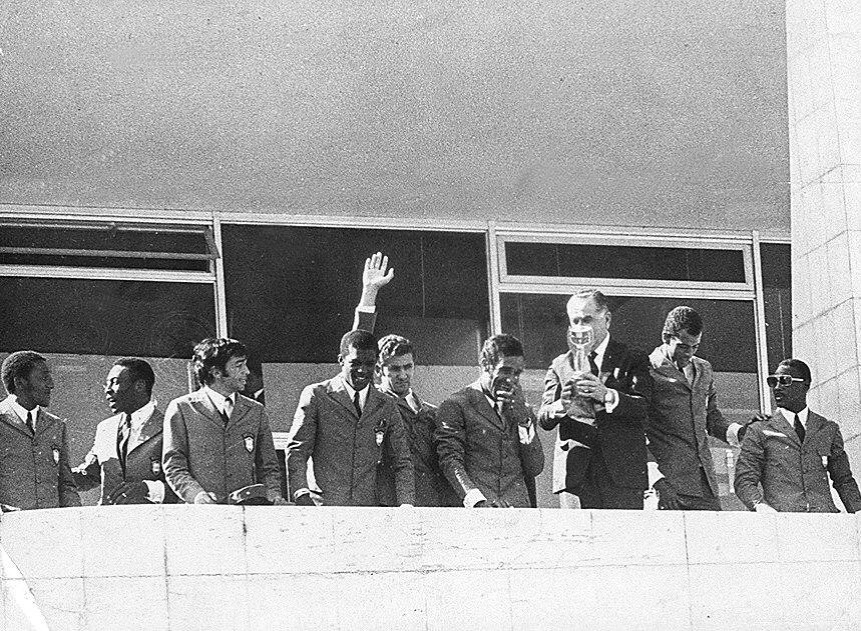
762,507
280,501
128,493
204,498
668,498
500,503
5,508
305,500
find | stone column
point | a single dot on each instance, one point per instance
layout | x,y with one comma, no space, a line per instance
824,76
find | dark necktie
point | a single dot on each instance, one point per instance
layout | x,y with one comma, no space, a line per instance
592,365
799,428
123,438
356,403
31,421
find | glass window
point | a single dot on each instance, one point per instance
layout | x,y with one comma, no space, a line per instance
635,263
540,321
777,295
106,246
291,291
105,317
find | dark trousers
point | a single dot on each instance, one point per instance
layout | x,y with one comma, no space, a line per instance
598,491
706,501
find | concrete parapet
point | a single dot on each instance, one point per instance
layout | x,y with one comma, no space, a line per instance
218,567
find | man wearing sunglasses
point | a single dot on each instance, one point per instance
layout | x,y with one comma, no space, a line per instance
792,453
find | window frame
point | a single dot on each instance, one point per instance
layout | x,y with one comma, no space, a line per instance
497,235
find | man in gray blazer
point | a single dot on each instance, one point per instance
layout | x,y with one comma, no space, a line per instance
217,441
125,460
347,426
683,412
793,453
34,449
486,437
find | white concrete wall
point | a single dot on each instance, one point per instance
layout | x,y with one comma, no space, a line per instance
187,567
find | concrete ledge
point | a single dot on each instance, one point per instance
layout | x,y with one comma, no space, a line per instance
218,567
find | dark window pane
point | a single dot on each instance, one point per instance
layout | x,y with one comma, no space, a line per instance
776,265
101,317
777,294
291,291
636,263
729,339
136,242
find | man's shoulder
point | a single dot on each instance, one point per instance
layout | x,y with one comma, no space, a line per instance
255,406
701,364
464,396
112,422
559,361
320,387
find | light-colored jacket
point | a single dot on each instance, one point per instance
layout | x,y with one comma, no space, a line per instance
34,470
346,448
201,453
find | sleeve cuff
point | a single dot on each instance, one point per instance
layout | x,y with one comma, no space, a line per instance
527,434
301,492
364,309
609,406
732,434
155,494
473,497
655,474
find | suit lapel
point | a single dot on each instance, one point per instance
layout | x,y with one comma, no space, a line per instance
338,392
374,401
814,423
204,406
151,428
8,416
662,365
240,409
783,426
483,407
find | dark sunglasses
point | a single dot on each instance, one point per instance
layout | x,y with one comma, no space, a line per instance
784,380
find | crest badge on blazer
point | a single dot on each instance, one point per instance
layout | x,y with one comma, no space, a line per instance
249,443
56,453
155,465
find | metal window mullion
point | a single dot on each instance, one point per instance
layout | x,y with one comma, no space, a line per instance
220,289
493,274
761,331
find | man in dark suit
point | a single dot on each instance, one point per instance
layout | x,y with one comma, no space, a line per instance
34,451
487,442
683,412
793,453
217,441
125,459
346,425
395,370
603,464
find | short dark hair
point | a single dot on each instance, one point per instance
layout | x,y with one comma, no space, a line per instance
683,319
597,296
498,346
394,346
359,339
215,352
798,365
138,370
18,364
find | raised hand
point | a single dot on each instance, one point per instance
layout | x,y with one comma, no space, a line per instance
376,274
